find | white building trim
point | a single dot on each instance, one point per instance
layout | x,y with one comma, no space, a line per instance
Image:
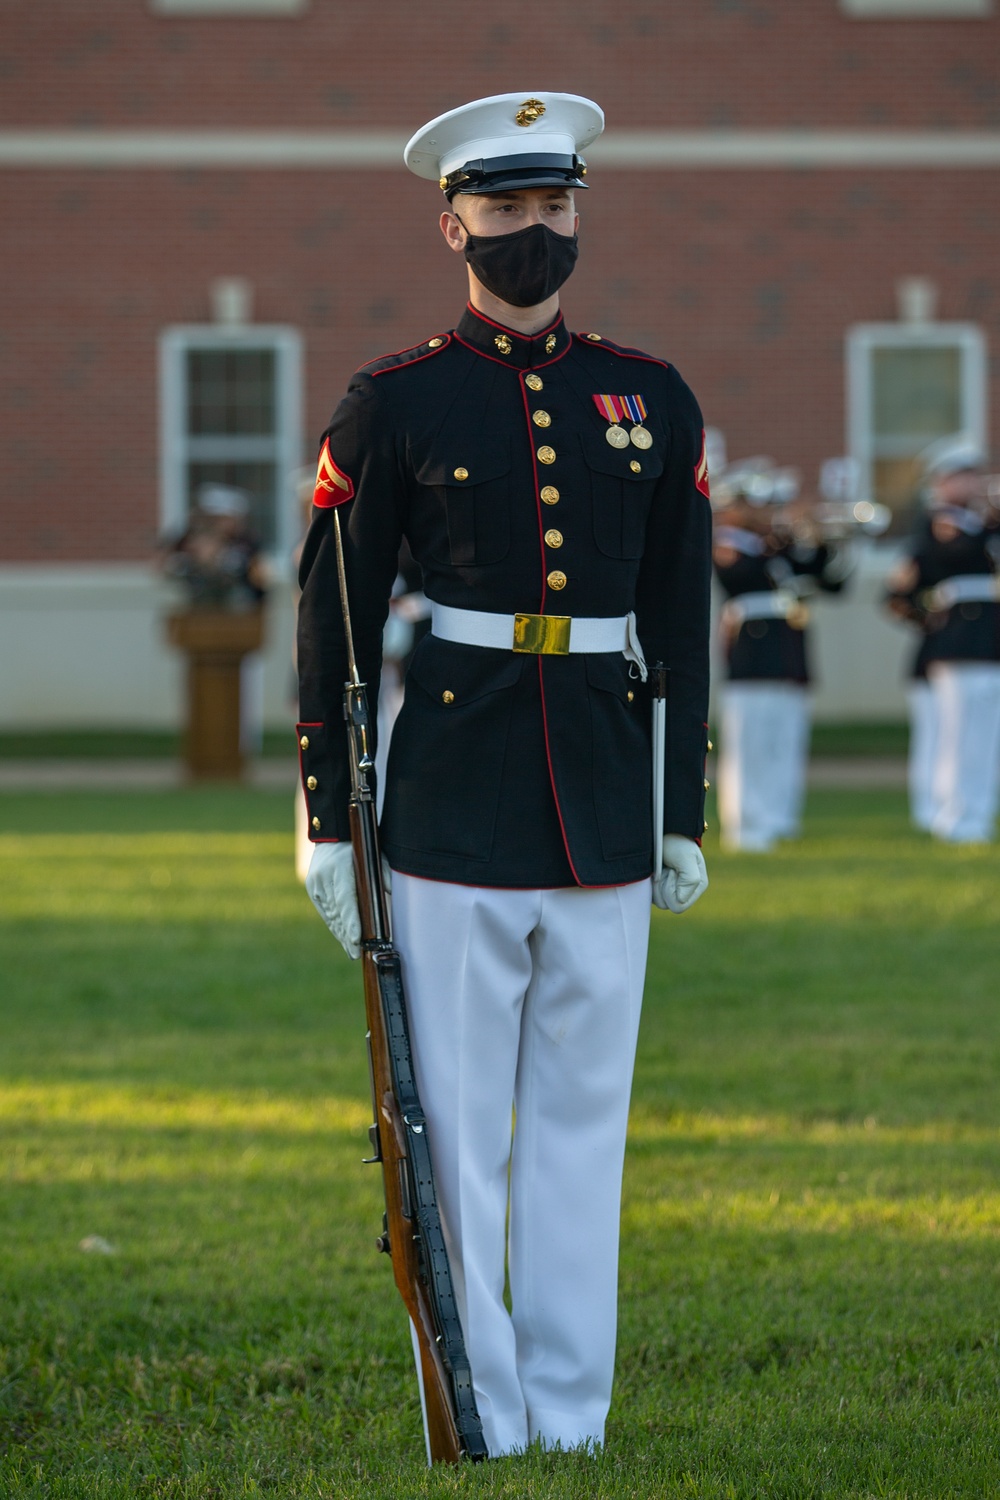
919,10
349,150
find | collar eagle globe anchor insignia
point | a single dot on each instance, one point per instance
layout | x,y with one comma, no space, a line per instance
618,409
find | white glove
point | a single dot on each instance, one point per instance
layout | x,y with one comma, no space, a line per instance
684,875
332,890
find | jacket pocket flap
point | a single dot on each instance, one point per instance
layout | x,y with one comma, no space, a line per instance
467,464
608,671
466,672
601,457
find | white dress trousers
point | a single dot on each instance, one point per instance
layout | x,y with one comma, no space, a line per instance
762,762
922,754
967,769
526,1003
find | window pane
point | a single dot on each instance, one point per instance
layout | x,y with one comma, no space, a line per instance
257,479
231,392
896,482
916,394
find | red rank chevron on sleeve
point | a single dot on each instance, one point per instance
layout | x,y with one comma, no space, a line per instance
333,487
701,470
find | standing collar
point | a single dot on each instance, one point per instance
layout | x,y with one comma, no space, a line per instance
516,350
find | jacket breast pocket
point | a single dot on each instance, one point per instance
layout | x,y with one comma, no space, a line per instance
470,491
621,494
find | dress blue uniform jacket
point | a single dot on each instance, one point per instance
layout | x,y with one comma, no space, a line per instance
967,631
508,769
773,650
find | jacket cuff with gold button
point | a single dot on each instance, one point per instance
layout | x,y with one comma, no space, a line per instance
325,826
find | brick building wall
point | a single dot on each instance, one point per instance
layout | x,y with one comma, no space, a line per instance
746,277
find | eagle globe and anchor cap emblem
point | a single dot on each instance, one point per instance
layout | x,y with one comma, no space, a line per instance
507,141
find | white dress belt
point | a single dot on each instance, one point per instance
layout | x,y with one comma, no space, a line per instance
965,588
768,604
476,627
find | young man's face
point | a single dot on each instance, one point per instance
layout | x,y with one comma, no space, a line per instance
504,213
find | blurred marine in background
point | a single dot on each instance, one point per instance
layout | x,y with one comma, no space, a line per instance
946,586
771,549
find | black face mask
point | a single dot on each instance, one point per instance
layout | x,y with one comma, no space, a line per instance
523,268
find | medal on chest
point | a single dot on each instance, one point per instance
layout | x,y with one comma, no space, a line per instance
618,409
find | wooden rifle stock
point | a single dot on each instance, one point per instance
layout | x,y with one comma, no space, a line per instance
412,1234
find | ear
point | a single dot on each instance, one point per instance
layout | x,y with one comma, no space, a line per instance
453,232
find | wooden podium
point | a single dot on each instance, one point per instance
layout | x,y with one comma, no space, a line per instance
215,641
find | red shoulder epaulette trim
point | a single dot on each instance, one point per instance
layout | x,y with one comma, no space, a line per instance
592,340
403,358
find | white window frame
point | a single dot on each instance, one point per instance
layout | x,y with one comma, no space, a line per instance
178,447
903,10
862,341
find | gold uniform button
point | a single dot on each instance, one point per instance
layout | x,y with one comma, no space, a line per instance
435,343
304,742
710,745
631,696
550,495
556,580
546,455
461,473
312,783
541,419
707,785
317,825
553,538
704,826
533,382
595,338
635,466
447,696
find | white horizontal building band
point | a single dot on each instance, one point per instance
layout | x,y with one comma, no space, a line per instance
383,149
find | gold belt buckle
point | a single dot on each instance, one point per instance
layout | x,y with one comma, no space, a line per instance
542,635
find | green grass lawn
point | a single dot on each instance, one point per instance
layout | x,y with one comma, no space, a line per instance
810,1297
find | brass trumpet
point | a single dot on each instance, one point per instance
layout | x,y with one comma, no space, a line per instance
761,497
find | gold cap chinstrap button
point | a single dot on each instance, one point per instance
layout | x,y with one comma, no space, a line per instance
435,343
